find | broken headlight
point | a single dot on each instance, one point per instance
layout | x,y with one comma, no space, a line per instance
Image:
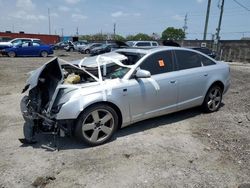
62,97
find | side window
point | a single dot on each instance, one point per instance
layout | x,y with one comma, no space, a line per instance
205,61
25,44
37,41
187,59
154,44
143,44
158,63
26,40
36,44
17,42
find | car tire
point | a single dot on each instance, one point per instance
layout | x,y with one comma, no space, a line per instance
11,54
212,99
44,54
87,51
71,49
96,125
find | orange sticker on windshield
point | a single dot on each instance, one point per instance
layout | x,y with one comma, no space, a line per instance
161,63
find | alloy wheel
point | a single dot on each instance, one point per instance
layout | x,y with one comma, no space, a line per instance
98,125
214,99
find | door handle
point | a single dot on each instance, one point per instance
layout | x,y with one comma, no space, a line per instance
125,90
206,74
173,81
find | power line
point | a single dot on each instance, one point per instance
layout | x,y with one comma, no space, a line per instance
243,6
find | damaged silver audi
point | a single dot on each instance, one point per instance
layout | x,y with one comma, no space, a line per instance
91,98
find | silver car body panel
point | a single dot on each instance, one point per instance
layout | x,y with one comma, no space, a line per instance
143,98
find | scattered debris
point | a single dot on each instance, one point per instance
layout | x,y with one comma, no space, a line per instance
190,161
207,148
41,182
127,155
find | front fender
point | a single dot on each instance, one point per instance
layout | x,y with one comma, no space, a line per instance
72,108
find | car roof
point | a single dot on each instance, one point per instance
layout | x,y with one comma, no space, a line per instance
141,41
150,50
26,38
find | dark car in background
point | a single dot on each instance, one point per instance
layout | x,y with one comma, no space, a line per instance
105,48
28,49
86,49
206,51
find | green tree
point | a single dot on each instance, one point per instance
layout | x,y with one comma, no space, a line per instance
142,36
139,36
130,37
86,37
119,37
172,33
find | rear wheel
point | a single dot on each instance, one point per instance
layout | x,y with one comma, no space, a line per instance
44,54
213,99
11,54
87,51
96,125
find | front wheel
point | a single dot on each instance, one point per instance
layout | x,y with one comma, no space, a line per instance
213,99
11,54
96,125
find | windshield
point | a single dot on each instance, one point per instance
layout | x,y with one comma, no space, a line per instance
110,69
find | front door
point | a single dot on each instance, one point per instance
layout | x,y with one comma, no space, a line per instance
157,95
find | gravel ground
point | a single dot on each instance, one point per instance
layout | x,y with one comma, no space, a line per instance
184,149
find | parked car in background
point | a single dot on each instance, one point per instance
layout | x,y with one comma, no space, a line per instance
142,44
206,51
78,45
72,46
108,48
92,100
60,45
28,49
17,41
86,49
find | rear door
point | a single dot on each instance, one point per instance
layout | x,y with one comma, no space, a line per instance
192,78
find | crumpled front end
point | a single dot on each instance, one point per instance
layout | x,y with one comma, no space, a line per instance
40,88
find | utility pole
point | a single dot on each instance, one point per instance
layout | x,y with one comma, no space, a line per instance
62,31
49,21
207,18
219,25
114,30
77,33
185,24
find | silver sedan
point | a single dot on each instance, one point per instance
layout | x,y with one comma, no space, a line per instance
93,97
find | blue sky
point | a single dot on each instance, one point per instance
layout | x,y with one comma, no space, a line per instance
130,16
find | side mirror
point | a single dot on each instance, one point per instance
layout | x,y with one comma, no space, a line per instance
142,74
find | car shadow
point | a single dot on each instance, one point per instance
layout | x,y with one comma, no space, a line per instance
48,142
